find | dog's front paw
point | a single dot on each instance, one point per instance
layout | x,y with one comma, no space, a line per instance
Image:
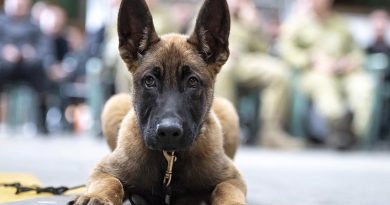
90,200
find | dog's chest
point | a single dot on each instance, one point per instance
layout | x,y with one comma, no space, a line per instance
178,192
187,180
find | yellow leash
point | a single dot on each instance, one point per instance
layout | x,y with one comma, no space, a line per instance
171,158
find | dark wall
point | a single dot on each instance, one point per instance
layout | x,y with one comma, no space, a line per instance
363,5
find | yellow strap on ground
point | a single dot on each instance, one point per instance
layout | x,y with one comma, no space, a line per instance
7,194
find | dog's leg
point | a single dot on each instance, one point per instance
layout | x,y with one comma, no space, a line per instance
113,113
103,189
228,118
229,192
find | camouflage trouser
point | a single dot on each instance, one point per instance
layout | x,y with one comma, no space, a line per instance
334,95
258,70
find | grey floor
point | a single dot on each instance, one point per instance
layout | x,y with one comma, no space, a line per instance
273,177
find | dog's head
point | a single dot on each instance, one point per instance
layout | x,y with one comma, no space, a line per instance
173,75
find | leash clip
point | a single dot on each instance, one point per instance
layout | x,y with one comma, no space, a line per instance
171,158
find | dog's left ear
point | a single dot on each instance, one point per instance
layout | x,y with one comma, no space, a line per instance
211,34
135,29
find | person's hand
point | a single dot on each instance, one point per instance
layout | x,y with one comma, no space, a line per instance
11,53
28,52
324,64
345,65
56,72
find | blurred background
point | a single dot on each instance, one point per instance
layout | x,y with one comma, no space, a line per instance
310,77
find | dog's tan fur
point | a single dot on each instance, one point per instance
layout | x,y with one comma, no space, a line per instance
204,172
115,109
206,163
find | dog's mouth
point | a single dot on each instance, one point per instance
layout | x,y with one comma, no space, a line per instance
182,145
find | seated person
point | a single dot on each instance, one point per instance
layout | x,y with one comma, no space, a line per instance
380,24
320,45
54,31
22,51
250,66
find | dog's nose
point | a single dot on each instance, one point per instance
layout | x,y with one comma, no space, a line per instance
169,130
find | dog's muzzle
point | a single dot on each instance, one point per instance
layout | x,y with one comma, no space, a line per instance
169,134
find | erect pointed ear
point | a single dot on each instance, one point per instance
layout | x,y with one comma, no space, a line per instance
211,34
135,29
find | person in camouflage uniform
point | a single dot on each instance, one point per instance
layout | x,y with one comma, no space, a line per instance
250,65
321,47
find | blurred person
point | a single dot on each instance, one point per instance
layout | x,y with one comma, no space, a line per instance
77,112
379,57
37,10
75,59
251,66
321,47
52,22
22,51
3,102
380,24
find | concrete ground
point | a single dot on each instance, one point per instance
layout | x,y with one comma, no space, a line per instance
273,177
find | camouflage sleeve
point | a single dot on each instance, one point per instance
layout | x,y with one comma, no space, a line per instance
355,53
291,52
257,42
350,49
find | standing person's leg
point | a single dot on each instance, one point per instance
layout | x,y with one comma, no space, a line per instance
6,71
34,73
6,76
3,105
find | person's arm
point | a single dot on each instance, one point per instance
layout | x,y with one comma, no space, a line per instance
354,57
45,53
9,53
256,41
291,52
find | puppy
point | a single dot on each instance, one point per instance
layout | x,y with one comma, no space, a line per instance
172,141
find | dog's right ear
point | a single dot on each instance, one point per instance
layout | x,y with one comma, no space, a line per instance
135,29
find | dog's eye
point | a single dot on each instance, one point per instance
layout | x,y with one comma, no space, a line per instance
193,82
150,82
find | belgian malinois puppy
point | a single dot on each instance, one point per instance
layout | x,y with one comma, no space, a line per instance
172,141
